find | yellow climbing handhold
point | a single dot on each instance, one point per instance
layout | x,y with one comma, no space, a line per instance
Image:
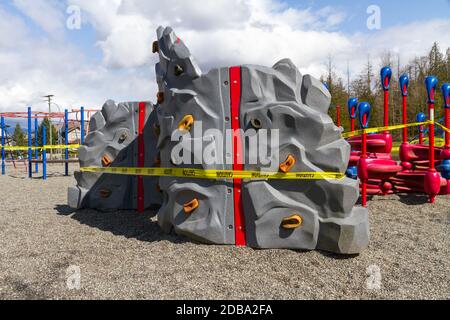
292,222
186,123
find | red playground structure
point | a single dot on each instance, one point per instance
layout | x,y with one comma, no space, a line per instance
422,168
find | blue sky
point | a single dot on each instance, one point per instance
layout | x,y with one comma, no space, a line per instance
394,12
110,56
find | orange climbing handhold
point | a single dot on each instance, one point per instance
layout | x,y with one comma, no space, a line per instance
155,47
157,162
191,206
186,123
292,222
106,161
160,97
157,129
105,193
287,165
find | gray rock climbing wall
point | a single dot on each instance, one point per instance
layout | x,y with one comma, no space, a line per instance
271,98
198,112
206,99
280,98
112,141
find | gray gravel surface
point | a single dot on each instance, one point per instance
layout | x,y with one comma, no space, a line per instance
124,255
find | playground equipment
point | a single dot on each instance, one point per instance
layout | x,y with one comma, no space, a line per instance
413,155
376,169
114,141
33,150
421,117
444,167
378,173
210,201
379,144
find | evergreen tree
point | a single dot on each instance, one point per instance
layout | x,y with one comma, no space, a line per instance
367,87
47,124
19,138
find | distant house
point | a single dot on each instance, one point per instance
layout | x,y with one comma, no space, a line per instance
74,132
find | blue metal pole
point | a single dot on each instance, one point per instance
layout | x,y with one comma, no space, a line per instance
36,144
82,125
3,146
66,137
30,144
44,153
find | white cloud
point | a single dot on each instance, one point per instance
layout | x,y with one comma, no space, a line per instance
126,49
102,14
218,32
414,39
11,29
35,66
330,17
47,14
196,15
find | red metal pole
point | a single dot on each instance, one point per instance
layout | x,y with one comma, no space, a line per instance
431,168
364,181
141,157
386,108
404,82
431,135
405,120
447,125
432,182
238,160
421,134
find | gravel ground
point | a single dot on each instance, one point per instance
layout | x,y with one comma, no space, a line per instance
124,255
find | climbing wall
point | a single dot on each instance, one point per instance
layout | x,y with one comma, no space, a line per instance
121,135
301,214
207,121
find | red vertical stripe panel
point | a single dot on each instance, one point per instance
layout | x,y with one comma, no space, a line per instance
235,101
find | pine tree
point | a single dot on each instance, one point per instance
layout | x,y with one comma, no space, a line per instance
19,138
447,66
367,87
46,123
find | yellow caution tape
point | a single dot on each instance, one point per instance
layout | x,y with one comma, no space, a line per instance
381,129
216,174
63,146
438,142
48,147
443,127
